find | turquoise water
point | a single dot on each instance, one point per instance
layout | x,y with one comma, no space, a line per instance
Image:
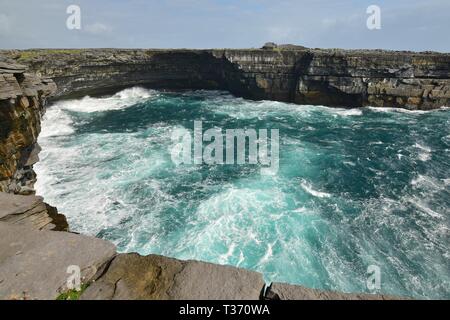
354,188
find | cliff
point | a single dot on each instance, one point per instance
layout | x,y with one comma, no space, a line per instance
34,257
22,100
347,78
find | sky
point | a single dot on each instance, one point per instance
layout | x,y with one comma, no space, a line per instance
417,25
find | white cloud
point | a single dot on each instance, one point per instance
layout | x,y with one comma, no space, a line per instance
98,28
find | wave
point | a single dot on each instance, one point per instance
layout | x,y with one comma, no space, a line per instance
308,188
287,226
344,112
118,101
56,122
425,153
403,110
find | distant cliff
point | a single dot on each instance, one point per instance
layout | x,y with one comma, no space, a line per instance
347,78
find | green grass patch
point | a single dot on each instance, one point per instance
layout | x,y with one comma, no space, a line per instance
72,294
27,55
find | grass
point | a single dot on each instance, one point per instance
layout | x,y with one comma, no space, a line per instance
72,294
30,54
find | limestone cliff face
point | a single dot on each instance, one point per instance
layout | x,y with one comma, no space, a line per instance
22,99
347,78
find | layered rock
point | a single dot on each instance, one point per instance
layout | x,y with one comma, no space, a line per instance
30,211
22,99
347,78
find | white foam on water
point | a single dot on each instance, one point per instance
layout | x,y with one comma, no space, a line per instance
118,101
422,206
309,188
429,183
271,226
425,153
55,123
402,110
345,112
223,259
446,140
268,255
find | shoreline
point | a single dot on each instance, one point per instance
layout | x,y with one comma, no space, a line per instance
24,95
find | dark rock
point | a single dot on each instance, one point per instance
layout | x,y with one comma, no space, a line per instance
291,47
30,211
269,46
283,291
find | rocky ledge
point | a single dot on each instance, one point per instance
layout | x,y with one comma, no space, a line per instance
346,78
23,96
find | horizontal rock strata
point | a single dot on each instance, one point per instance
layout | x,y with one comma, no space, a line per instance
30,211
22,99
347,78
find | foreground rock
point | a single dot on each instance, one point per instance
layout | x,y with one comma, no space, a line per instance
30,211
33,263
131,277
284,291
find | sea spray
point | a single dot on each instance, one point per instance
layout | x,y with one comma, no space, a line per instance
354,188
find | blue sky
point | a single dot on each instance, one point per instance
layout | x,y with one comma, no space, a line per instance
406,24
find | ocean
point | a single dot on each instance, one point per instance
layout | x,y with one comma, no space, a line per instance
355,187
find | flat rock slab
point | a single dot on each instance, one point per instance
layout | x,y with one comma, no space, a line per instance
284,291
33,263
131,276
31,211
